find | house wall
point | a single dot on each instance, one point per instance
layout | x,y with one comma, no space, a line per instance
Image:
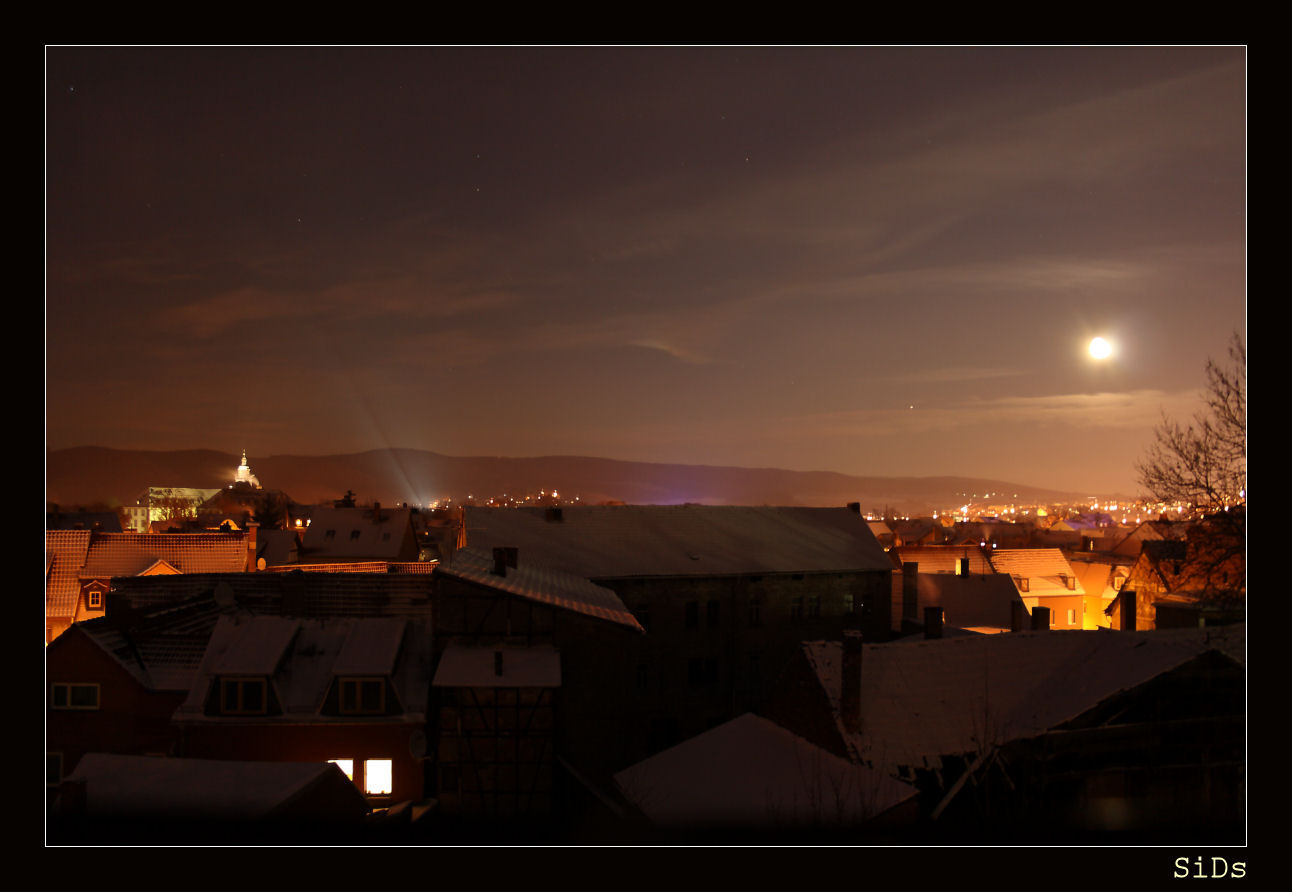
130,719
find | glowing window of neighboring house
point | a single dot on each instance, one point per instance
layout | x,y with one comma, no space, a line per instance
377,776
75,696
94,599
242,696
1072,617
346,765
362,696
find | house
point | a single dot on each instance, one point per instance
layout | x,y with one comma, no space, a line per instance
337,535
725,594
113,687
533,688
99,557
351,691
1044,578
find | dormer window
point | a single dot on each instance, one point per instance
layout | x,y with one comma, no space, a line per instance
94,599
361,696
243,696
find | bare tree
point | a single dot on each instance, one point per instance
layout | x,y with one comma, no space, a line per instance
1203,463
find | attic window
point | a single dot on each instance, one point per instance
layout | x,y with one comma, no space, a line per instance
330,535
354,534
1024,584
242,696
94,599
362,696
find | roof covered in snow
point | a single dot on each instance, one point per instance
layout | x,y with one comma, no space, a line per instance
607,542
752,772
924,699
502,666
537,583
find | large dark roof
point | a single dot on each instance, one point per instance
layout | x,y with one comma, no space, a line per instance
681,540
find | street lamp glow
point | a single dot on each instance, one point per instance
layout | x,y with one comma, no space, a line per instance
1100,348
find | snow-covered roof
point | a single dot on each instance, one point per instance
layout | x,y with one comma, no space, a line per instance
924,699
64,556
1045,568
607,542
982,600
537,583
160,787
463,666
752,772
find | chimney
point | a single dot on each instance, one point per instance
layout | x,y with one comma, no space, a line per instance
251,545
1040,619
1128,609
500,562
854,507
555,515
932,622
850,693
497,663
376,512
1017,612
910,591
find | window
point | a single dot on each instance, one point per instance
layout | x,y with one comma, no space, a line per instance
377,777
362,696
692,614
242,696
713,614
346,765
814,606
755,612
75,696
330,535
1072,617
796,609
849,604
94,599
354,535
1024,584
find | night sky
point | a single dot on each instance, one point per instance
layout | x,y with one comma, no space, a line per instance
874,261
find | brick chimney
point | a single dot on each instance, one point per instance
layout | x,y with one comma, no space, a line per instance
932,622
499,561
1040,619
850,692
1017,616
910,591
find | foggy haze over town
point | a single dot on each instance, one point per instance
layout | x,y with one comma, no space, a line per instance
647,446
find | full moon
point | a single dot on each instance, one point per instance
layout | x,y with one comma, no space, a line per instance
1100,349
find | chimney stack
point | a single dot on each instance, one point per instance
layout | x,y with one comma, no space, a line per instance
1017,612
251,545
1127,609
1040,619
850,693
932,622
854,507
910,591
555,515
500,562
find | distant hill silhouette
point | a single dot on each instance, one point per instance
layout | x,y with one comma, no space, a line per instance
89,474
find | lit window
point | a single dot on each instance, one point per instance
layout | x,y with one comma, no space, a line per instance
75,696
377,776
242,696
95,599
362,696
346,765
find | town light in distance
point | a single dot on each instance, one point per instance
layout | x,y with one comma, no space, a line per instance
1100,349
